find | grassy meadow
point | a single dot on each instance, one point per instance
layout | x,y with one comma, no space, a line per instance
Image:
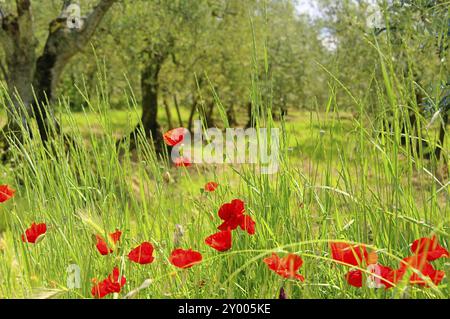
339,179
360,93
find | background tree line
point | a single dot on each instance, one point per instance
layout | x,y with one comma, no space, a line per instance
174,54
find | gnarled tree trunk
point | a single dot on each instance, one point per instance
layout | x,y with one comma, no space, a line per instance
19,44
62,44
32,81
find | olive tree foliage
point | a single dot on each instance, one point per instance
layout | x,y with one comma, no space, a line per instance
205,50
294,54
166,46
416,34
353,60
180,54
409,32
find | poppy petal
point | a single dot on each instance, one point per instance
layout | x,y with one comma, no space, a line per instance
102,246
233,217
182,162
185,258
230,224
349,254
430,247
175,136
420,263
220,241
247,224
211,186
143,254
354,278
34,233
115,237
286,267
231,210
6,193
272,262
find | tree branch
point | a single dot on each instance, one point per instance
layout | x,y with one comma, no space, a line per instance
63,42
66,3
2,15
94,18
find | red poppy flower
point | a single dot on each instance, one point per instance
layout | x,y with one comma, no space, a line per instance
102,246
286,267
185,258
6,193
220,241
388,276
233,216
231,213
211,186
112,284
182,162
143,254
430,247
349,254
34,233
421,264
175,136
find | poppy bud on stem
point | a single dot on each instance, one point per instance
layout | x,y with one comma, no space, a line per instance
282,294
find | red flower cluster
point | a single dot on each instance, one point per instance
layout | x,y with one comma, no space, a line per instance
6,193
287,267
233,216
112,284
142,254
424,250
